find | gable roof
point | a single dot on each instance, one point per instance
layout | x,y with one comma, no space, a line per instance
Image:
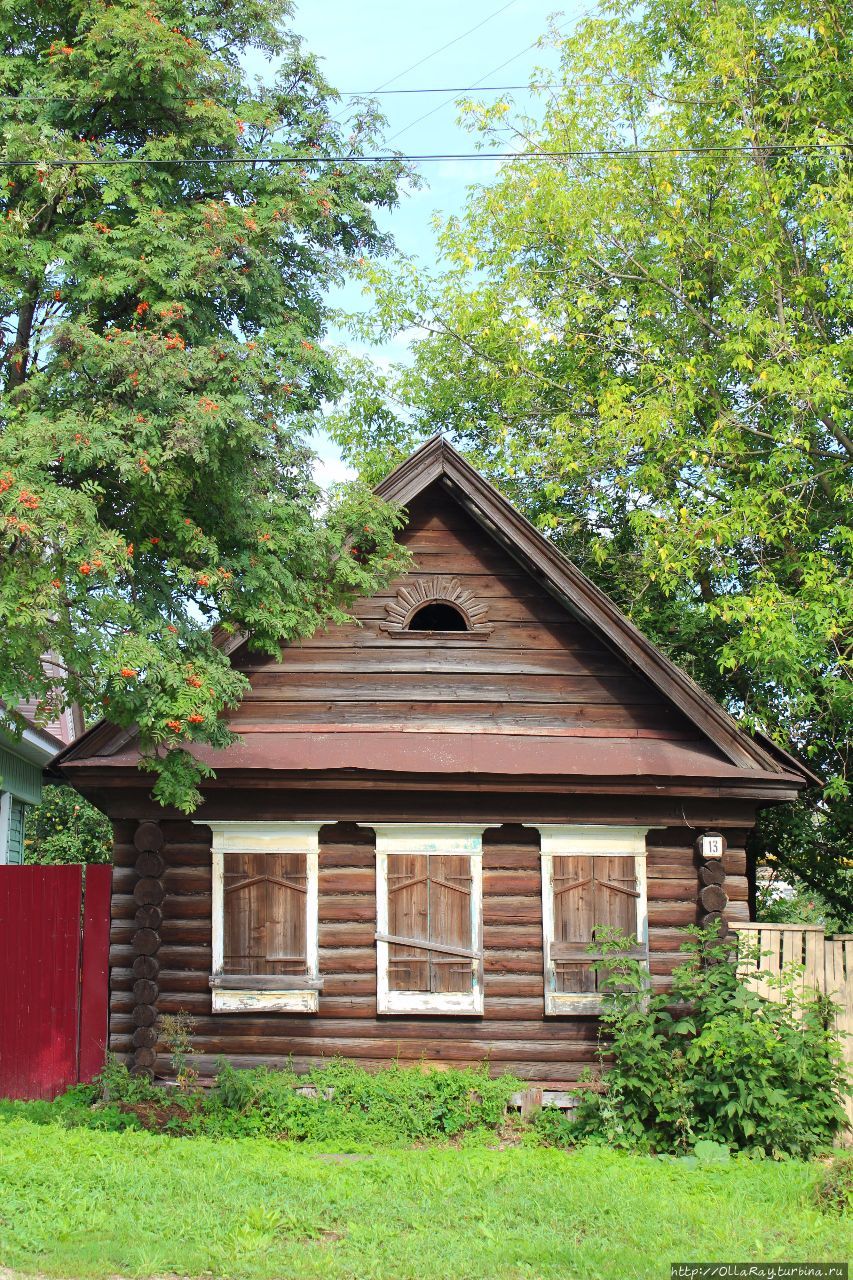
436,460
289,748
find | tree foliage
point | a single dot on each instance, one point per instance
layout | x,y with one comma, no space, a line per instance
63,827
650,353
160,327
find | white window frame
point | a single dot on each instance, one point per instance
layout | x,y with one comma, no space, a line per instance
250,995
429,839
576,841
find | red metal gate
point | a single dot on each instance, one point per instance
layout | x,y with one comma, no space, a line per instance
54,951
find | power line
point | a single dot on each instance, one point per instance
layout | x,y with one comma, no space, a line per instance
449,44
399,158
343,93
572,22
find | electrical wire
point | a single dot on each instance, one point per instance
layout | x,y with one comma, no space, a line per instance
400,158
571,22
348,93
449,45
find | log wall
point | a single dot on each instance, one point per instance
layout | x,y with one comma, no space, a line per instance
513,1033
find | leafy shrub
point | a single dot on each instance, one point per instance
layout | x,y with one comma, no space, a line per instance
555,1127
712,1060
66,828
340,1105
342,1102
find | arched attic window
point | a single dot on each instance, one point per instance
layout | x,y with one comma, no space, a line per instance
437,616
439,605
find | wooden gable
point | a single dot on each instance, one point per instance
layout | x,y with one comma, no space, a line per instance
534,669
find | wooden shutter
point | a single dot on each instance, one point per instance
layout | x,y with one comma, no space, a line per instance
589,893
429,902
265,917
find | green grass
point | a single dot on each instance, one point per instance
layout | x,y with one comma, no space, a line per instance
76,1202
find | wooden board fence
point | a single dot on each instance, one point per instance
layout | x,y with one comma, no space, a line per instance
823,964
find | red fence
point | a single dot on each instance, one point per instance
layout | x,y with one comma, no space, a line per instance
54,949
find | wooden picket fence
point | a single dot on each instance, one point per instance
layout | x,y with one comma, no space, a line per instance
822,964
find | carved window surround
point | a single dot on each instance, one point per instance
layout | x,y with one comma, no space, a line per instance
439,589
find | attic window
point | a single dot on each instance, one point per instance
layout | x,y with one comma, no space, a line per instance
438,616
436,604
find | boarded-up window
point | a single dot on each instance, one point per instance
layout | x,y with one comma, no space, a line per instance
265,922
429,900
429,921
265,925
590,894
583,895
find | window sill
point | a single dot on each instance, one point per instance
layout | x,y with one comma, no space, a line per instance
426,1002
234,993
557,1003
248,1000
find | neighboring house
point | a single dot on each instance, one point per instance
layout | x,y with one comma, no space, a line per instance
22,761
429,816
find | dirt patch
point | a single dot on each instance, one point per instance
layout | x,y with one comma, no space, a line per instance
156,1115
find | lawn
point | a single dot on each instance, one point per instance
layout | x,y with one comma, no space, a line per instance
75,1202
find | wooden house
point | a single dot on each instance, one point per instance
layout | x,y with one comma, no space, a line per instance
427,816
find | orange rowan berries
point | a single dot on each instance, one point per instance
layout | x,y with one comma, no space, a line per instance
128,673
196,719
85,568
174,725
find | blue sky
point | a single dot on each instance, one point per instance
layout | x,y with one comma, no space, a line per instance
366,43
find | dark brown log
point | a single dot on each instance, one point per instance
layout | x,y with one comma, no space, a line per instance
144,1038
148,917
145,991
713,918
143,1015
713,897
145,942
148,836
144,967
148,892
143,1062
150,863
712,873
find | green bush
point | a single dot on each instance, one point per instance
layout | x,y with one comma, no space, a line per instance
339,1104
66,828
343,1103
711,1060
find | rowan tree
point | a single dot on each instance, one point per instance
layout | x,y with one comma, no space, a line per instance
646,341
161,316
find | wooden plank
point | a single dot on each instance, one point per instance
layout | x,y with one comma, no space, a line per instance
462,660
458,714
94,973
